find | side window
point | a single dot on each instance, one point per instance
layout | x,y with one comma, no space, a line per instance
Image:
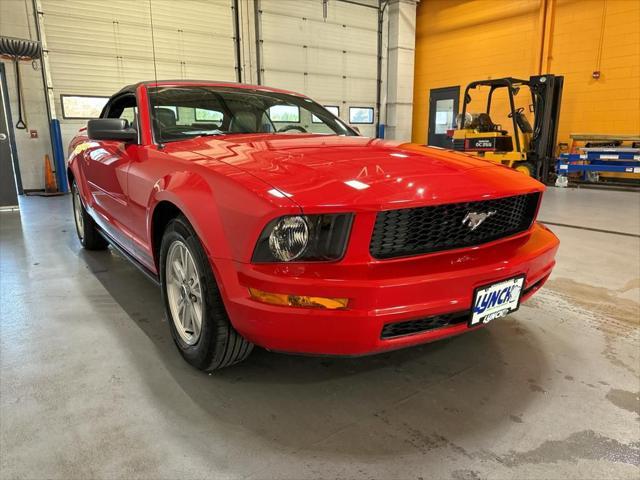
125,108
130,114
362,115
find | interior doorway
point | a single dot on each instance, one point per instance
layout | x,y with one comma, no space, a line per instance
443,109
9,181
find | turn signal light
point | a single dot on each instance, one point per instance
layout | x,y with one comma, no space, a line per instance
298,300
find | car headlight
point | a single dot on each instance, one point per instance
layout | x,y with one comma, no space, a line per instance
304,238
289,238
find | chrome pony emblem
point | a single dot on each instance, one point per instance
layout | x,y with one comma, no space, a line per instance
474,219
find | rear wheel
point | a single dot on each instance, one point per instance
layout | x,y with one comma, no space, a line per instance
525,167
198,320
86,228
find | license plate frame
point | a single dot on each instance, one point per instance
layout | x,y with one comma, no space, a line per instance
518,280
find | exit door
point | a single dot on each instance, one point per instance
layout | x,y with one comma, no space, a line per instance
8,189
443,109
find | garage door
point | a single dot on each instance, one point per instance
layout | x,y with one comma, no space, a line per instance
334,61
96,48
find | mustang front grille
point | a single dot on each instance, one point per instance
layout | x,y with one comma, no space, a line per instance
414,231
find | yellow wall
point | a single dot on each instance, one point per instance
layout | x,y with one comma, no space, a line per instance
612,103
458,41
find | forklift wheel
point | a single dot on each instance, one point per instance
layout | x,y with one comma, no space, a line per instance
526,168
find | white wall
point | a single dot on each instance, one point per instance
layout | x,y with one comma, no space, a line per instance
16,22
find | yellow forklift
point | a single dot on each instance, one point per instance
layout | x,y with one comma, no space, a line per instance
530,150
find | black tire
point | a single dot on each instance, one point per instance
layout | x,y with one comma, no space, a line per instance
219,345
87,229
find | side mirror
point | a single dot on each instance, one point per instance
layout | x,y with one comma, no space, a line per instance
356,129
111,129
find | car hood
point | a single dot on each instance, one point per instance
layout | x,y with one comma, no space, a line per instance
318,171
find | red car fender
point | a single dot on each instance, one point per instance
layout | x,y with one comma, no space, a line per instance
190,194
77,148
219,209
193,196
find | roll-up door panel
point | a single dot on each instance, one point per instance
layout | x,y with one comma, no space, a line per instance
333,60
96,48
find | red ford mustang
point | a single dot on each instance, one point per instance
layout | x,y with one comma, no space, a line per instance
269,221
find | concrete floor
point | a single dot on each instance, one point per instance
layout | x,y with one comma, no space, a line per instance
92,387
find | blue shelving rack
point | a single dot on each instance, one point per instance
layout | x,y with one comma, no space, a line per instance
597,160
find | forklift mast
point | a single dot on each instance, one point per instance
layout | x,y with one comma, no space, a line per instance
546,91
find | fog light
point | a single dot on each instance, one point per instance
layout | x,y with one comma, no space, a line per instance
298,300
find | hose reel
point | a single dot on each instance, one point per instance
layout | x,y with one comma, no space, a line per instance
19,49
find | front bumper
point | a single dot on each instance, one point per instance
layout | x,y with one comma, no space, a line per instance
379,292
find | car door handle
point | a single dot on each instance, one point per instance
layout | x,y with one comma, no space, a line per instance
3,137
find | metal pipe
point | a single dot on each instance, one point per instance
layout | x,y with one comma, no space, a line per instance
513,117
256,18
236,27
382,5
44,62
55,136
541,34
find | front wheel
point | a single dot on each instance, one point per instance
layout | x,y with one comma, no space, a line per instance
198,320
525,167
86,228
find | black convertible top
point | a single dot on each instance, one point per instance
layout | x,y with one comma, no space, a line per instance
132,88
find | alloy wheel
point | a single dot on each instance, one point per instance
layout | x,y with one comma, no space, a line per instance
77,212
184,292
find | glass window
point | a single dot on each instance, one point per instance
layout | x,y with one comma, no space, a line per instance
284,113
331,108
360,115
204,115
129,113
175,110
212,110
82,106
444,115
123,107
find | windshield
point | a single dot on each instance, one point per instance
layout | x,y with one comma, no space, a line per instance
191,111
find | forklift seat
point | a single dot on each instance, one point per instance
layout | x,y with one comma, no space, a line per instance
523,123
483,123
